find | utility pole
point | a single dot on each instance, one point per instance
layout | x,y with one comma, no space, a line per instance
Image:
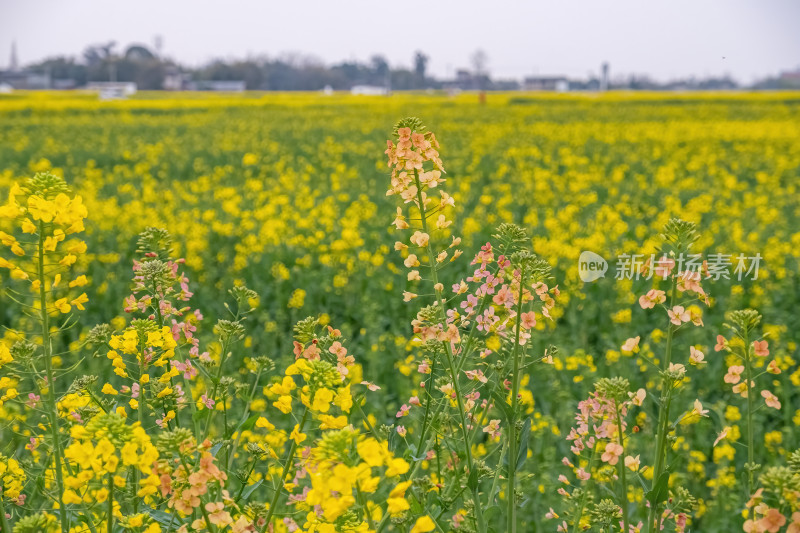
604,77
13,64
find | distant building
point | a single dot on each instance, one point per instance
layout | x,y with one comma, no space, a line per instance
112,90
558,84
14,78
64,83
604,77
789,80
25,79
464,81
369,90
175,80
226,86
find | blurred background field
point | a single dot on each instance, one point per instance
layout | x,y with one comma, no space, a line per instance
286,194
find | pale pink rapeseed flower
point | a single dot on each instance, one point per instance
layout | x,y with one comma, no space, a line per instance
696,356
678,315
761,348
734,374
720,344
770,399
493,429
653,297
612,453
631,344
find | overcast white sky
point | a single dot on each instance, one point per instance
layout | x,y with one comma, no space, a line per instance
665,39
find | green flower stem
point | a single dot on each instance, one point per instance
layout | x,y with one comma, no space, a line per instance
364,416
663,416
438,527
160,320
244,417
4,527
428,400
513,452
623,497
440,407
96,400
244,483
286,467
51,395
496,479
750,393
449,353
426,444
140,419
584,496
195,423
223,352
230,452
362,501
110,518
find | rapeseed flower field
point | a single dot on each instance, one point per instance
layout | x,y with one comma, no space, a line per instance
227,313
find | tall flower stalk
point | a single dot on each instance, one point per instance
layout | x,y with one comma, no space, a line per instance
47,356
612,399
44,208
454,329
750,350
679,236
529,271
600,427
446,344
668,381
513,444
411,181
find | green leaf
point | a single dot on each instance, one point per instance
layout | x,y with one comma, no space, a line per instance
491,513
472,481
249,490
160,516
434,502
215,449
85,520
247,424
500,402
660,490
205,373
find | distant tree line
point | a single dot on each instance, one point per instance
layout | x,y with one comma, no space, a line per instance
289,72
306,74
101,63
